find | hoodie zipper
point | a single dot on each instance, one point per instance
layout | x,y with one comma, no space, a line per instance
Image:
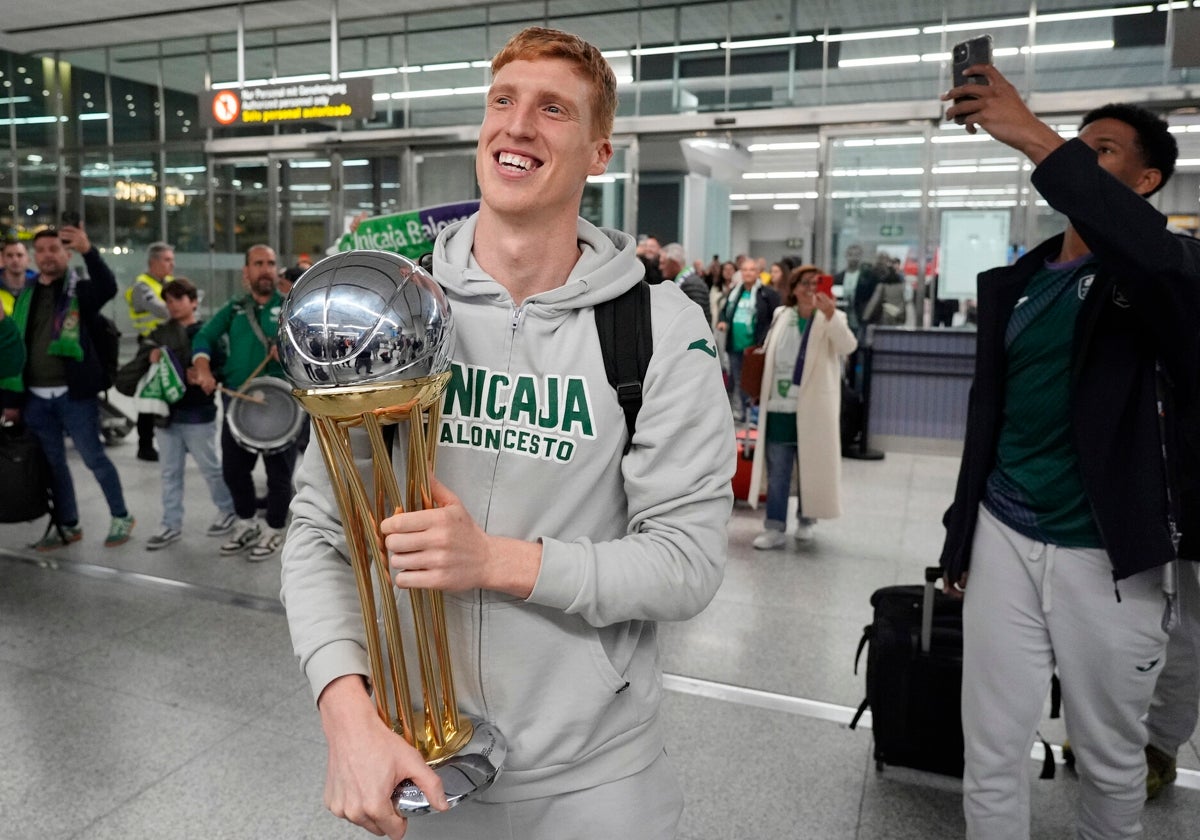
513,323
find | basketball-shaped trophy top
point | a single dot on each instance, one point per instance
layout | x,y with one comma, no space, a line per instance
364,318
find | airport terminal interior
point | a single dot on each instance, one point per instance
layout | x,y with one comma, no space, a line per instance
154,694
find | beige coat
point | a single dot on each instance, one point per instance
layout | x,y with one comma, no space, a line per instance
818,411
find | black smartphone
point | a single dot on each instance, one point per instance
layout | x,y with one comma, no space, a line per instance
966,54
71,219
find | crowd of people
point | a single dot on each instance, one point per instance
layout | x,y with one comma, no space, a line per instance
57,363
1077,491
804,339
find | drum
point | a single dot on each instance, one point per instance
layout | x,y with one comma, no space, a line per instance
271,425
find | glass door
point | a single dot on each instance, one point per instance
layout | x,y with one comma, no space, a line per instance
244,211
442,175
874,183
311,187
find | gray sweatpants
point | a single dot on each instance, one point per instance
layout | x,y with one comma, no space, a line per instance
1030,607
646,806
1176,703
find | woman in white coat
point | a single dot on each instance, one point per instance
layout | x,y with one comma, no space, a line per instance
799,407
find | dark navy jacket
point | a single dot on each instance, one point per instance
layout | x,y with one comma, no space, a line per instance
1143,308
85,378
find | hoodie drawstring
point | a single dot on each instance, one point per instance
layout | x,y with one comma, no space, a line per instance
1047,552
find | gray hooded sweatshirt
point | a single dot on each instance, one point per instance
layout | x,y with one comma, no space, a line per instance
532,441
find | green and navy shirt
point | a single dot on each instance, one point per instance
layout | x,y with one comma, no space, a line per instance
245,349
1036,487
781,401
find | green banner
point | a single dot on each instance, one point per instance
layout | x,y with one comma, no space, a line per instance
163,383
409,234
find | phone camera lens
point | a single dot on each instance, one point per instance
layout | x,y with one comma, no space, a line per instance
960,52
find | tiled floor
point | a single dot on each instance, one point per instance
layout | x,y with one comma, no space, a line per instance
132,706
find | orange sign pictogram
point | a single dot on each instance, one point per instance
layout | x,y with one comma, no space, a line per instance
226,107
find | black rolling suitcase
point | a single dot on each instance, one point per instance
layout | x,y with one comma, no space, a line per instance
25,493
25,489
914,677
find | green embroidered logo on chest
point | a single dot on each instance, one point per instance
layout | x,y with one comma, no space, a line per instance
540,417
705,345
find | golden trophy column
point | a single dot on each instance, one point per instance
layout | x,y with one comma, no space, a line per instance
365,338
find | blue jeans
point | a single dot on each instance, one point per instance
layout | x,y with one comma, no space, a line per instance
174,443
50,420
780,459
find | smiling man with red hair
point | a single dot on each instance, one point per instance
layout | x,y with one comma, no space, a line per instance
558,541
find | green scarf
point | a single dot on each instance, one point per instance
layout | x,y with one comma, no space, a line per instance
66,341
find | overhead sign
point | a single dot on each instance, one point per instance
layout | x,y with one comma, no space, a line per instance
296,102
410,234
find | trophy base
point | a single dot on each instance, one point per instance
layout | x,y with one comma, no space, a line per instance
469,771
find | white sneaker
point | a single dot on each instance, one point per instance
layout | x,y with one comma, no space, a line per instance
770,539
272,538
222,525
163,539
245,534
804,533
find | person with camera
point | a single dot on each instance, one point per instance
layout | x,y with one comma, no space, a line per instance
556,564
57,390
1062,533
799,402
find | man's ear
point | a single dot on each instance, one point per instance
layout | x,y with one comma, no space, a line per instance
604,153
1148,182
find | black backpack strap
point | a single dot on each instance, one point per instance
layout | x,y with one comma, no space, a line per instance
862,707
868,632
1047,758
623,324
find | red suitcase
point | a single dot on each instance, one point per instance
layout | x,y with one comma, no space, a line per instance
747,439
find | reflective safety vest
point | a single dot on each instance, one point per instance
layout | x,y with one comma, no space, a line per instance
144,322
8,297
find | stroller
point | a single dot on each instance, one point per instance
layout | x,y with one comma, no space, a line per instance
114,423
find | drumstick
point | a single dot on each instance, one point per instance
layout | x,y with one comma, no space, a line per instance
253,374
247,397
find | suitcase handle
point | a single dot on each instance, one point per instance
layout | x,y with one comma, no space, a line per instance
932,575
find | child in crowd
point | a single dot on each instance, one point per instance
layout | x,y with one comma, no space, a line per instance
191,426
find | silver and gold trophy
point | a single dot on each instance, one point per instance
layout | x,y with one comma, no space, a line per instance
365,338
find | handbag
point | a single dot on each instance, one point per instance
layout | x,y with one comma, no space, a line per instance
754,359
129,375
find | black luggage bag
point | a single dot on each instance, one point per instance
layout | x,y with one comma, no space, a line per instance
914,677
25,487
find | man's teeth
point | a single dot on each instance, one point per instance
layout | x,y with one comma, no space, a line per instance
509,159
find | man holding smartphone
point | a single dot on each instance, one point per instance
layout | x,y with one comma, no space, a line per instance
55,392
1066,512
